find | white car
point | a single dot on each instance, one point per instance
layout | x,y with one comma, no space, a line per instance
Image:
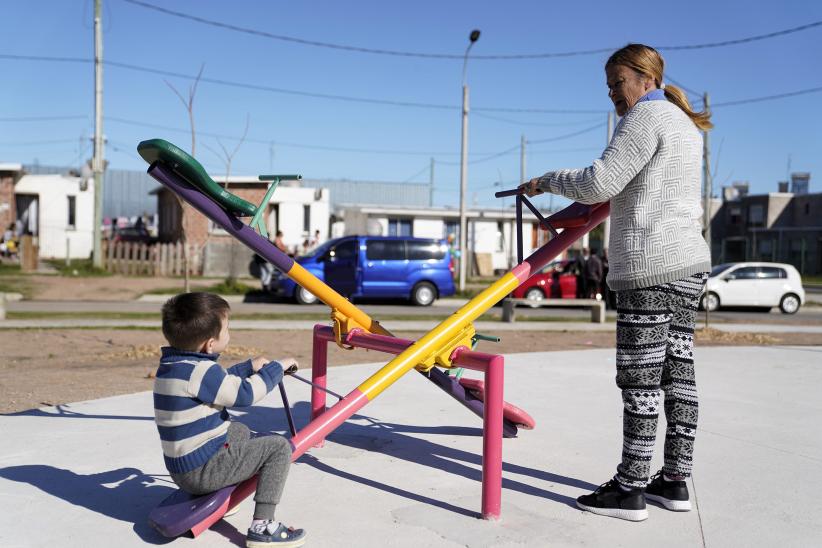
754,284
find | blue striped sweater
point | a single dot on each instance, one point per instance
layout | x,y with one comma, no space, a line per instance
191,392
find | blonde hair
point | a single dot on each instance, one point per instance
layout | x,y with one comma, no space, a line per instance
647,61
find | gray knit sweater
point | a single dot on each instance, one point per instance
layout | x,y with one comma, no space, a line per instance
651,173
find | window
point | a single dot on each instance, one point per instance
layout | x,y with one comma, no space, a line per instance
744,273
307,219
425,251
399,227
771,272
734,215
451,228
385,250
72,211
344,250
756,215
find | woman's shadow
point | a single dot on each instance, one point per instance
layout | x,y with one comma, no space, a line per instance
125,494
391,439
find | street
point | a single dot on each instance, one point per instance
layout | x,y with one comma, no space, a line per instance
807,315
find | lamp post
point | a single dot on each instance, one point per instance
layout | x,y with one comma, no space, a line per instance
473,37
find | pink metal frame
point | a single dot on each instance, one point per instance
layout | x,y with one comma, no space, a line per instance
491,365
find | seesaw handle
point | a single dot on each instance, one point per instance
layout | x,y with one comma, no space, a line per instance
505,193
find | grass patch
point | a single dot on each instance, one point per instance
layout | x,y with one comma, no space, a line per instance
79,268
16,285
225,287
9,269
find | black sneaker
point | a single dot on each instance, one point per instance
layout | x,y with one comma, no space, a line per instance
673,495
612,500
282,536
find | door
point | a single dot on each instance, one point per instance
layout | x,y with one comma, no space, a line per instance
340,266
386,268
739,287
771,285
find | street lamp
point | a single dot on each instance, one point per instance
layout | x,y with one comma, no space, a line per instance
473,37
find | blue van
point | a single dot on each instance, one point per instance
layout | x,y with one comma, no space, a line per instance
417,269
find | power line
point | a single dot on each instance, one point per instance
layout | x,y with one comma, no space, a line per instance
766,98
541,124
368,100
42,118
267,142
358,49
566,136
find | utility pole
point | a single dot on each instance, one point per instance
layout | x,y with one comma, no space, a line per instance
522,142
474,36
707,181
97,159
606,225
431,184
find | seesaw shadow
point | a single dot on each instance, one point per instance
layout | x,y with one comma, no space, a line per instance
391,439
64,411
130,499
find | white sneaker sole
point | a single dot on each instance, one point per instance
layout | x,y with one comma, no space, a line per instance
673,505
629,515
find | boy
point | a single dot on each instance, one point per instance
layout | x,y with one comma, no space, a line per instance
203,449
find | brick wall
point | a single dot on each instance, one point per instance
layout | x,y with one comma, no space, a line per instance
7,207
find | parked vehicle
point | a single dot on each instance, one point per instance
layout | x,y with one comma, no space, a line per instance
138,234
417,269
762,285
557,280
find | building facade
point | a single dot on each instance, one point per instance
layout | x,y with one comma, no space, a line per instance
777,227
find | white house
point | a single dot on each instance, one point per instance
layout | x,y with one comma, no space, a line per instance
59,210
491,231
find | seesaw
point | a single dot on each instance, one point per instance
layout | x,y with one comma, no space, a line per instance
447,346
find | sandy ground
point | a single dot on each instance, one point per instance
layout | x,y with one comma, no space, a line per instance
98,288
56,366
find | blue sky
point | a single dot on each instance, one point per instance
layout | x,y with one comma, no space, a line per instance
298,132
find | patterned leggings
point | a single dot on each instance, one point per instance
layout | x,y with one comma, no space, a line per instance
655,339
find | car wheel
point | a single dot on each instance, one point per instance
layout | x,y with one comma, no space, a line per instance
789,304
534,296
709,301
304,296
423,294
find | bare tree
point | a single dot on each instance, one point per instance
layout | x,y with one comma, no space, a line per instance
227,158
189,105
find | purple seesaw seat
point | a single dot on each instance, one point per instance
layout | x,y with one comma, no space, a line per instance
182,512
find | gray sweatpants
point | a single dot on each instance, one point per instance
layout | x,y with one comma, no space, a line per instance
239,459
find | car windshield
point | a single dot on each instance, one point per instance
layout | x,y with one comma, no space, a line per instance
320,249
719,269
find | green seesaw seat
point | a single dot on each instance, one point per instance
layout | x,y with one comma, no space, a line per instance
160,150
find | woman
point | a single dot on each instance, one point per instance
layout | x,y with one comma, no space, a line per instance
658,263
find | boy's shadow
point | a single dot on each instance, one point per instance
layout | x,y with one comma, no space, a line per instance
391,439
125,494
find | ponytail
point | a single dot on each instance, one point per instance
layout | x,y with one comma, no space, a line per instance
702,120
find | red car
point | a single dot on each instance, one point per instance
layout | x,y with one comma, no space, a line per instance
557,280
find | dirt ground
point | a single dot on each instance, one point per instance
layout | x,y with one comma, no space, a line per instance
56,366
99,288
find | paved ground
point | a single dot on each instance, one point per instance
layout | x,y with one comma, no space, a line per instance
406,472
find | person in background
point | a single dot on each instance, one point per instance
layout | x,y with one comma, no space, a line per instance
592,270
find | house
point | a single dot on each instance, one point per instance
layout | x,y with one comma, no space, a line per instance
296,211
58,210
777,226
491,237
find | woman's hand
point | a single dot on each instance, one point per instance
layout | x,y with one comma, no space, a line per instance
531,188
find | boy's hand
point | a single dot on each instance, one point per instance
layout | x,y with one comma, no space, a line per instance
258,362
290,366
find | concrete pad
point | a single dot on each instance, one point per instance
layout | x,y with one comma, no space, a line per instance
405,472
